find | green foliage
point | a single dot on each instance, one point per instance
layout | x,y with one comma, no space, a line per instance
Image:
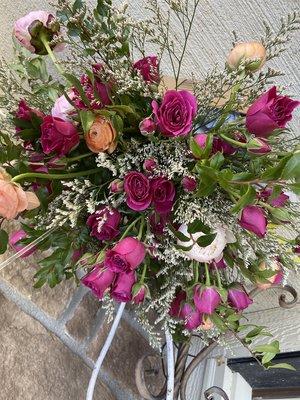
3,241
9,150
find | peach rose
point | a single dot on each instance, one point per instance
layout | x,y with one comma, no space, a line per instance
13,199
102,136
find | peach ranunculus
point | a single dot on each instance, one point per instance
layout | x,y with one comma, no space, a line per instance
102,136
13,199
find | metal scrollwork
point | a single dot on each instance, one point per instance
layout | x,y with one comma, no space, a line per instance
209,393
282,299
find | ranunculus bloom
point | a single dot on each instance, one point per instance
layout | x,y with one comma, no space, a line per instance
269,112
58,136
140,295
147,126
14,239
211,252
138,191
104,223
278,201
189,184
254,220
126,255
102,136
238,298
28,28
62,108
276,279
191,316
177,304
206,299
174,116
252,53
122,289
148,68
264,147
13,199
99,280
163,192
116,186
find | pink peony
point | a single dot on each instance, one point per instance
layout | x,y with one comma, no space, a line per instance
174,116
269,112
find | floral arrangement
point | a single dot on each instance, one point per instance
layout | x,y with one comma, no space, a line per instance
175,200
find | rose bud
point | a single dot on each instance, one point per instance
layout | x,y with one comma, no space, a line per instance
139,293
122,289
58,136
269,112
138,191
209,253
163,192
206,299
14,239
125,256
62,108
253,53
253,219
116,186
174,116
147,127
102,136
259,146
223,147
13,199
276,202
189,184
28,29
25,112
221,264
276,279
148,68
238,298
176,305
191,316
150,164
104,223
201,140
99,280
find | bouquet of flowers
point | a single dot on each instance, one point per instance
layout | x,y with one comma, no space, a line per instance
177,200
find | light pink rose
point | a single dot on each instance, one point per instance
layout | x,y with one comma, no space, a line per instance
62,108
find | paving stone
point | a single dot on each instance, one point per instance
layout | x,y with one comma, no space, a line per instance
83,321
36,365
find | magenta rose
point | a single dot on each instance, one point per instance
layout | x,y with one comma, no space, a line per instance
125,256
122,289
238,298
191,316
163,194
158,223
174,116
116,186
99,280
138,191
221,264
253,219
25,112
147,126
278,201
150,164
189,184
269,112
58,136
104,223
177,304
14,240
148,68
28,28
206,299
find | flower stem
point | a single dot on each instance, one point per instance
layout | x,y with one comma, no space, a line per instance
130,227
45,42
141,228
207,275
234,142
77,158
196,272
143,273
32,175
218,278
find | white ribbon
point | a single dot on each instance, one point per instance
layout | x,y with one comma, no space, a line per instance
170,366
104,350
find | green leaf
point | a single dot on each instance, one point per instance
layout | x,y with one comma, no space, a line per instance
268,348
292,167
123,110
87,119
217,161
267,358
245,200
3,241
179,235
198,226
280,214
283,366
218,322
206,240
295,187
276,171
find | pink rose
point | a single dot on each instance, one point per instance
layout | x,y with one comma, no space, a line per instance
25,112
158,223
116,186
122,289
174,116
125,256
99,280
138,191
191,316
189,184
148,68
62,108
150,164
206,299
104,223
14,239
163,192
261,147
217,145
28,28
254,220
278,201
269,112
58,136
139,293
176,305
147,126
221,264
238,298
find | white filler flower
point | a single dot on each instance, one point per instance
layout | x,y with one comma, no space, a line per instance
209,253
